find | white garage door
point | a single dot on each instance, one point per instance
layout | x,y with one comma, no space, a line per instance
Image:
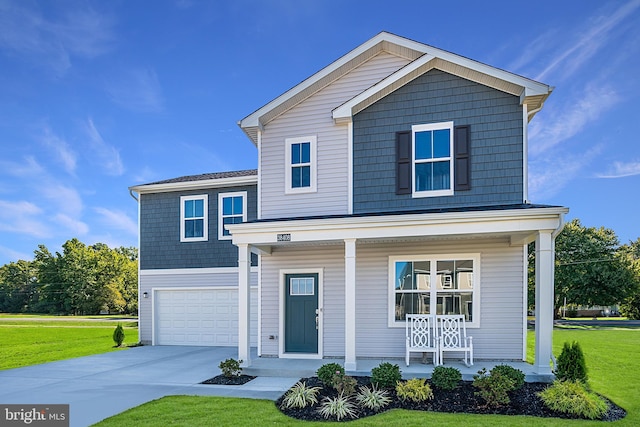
200,317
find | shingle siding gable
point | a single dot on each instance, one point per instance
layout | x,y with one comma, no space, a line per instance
495,120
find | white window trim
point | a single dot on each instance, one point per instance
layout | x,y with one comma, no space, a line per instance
393,323
312,140
221,196
426,127
205,227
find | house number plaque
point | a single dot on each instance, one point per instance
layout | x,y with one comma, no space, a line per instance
285,237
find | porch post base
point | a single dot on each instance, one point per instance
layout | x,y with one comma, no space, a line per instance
350,366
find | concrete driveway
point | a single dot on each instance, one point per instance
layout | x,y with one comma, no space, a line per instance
97,387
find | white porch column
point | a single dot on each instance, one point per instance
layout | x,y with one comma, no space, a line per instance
244,304
350,304
544,301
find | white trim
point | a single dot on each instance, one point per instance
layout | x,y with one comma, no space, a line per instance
431,127
350,304
525,154
221,196
183,271
350,168
525,299
507,222
281,326
178,288
203,184
259,268
259,180
205,218
139,293
313,164
433,259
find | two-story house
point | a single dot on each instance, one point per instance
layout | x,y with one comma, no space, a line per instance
392,181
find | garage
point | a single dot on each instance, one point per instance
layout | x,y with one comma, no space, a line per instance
202,317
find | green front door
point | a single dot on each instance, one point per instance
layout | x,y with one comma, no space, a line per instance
301,311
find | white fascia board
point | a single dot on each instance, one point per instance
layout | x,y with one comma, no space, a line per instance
253,119
400,226
195,185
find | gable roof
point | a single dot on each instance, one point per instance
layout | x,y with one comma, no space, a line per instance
201,181
423,59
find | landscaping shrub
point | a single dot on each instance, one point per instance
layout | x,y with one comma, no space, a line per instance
494,388
572,397
118,335
415,389
386,375
300,396
230,368
509,371
571,365
446,378
326,372
372,398
344,384
339,407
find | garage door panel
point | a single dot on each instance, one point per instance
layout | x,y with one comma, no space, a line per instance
200,317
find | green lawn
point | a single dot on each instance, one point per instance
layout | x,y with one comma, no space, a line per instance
611,359
28,342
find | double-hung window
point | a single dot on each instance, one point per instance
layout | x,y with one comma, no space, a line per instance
432,159
194,218
232,209
434,285
300,173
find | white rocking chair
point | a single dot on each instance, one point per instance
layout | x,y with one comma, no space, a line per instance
421,335
452,336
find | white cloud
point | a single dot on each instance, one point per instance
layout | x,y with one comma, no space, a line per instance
137,89
107,155
51,41
621,170
24,218
571,119
66,199
118,220
550,174
15,255
61,148
73,225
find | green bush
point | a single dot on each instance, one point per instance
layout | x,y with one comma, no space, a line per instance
571,365
415,389
386,375
446,378
339,407
118,335
231,368
372,398
344,384
300,396
326,372
494,388
572,397
509,371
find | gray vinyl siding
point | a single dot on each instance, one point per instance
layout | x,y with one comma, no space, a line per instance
328,258
313,117
194,279
495,120
502,270
160,245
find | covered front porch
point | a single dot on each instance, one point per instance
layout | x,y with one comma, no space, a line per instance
304,368
514,227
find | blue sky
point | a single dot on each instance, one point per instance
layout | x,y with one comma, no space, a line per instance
96,96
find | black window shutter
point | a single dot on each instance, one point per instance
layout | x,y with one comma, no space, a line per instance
403,162
462,151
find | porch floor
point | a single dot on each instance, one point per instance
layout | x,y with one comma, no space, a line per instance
276,367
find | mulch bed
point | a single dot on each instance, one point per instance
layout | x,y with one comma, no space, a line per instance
461,400
222,380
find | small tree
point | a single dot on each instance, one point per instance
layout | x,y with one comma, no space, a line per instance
571,363
118,335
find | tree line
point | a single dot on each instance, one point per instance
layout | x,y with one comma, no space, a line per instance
592,268
82,280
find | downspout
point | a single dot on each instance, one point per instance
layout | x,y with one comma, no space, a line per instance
138,202
131,194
